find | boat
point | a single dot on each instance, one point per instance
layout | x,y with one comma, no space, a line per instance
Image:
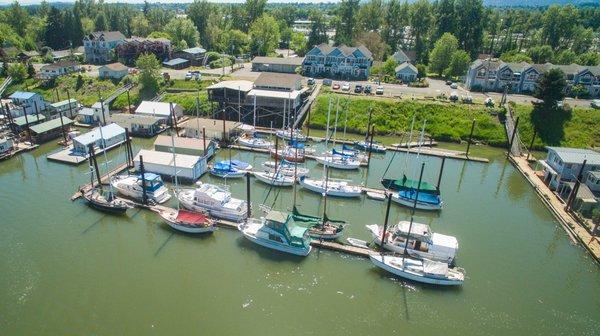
288,153
425,201
331,188
286,168
131,186
108,203
321,228
277,231
422,243
369,147
237,164
187,221
225,170
357,243
215,200
339,162
408,184
376,195
275,179
255,142
423,271
288,134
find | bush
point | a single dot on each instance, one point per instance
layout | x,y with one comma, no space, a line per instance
220,63
420,83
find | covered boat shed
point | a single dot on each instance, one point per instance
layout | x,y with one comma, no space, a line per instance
49,130
113,135
177,63
187,146
19,124
188,167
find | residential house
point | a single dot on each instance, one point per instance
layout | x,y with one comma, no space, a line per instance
58,55
177,63
67,108
160,110
51,129
25,56
138,125
31,102
583,202
129,51
194,55
402,56
338,62
592,181
94,115
277,64
59,68
406,72
563,164
112,135
113,71
100,46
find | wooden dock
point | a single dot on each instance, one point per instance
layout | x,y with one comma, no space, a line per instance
104,179
66,155
18,148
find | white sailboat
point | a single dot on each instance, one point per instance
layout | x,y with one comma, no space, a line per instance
424,271
275,179
215,200
338,162
285,168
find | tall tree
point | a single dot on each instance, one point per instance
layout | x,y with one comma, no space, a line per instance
264,35
420,21
445,18
469,25
370,16
182,29
346,21
17,18
550,87
204,15
100,23
55,31
459,64
541,54
149,74
374,43
440,56
254,9
558,25
395,19
318,29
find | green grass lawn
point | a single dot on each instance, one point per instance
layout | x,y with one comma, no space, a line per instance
188,101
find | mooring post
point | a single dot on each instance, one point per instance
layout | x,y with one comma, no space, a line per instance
127,154
470,138
531,144
70,108
512,137
27,125
248,193
62,127
93,158
370,146
204,138
575,189
144,193
440,174
37,112
387,216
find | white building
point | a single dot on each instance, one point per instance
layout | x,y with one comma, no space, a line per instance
160,110
188,167
68,108
114,70
113,135
6,145
563,164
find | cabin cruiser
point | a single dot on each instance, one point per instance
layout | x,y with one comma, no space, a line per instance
215,200
131,186
225,170
275,179
277,231
255,142
425,201
339,161
422,243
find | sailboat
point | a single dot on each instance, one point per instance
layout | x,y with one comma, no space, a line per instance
183,220
336,159
225,170
133,186
294,152
289,133
418,269
275,178
255,142
286,168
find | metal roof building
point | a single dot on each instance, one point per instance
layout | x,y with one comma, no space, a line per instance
188,146
137,124
160,110
51,129
188,167
113,135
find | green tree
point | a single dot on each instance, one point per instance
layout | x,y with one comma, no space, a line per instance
254,10
550,87
388,68
541,54
140,26
237,41
579,91
375,44
589,58
17,18
396,18
459,64
100,23
370,16
55,31
558,26
422,70
420,21
318,29
440,56
583,39
298,43
469,25
149,74
18,72
445,18
181,29
345,25
565,57
264,35
515,57
205,16
30,70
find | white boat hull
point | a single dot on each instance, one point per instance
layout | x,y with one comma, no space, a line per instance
375,231
279,180
227,214
236,174
275,246
383,262
286,170
338,164
420,205
255,143
318,187
159,196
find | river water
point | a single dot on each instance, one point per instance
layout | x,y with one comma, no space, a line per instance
66,269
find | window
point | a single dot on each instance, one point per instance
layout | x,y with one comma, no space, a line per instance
275,238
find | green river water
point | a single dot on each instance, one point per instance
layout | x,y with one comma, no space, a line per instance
66,269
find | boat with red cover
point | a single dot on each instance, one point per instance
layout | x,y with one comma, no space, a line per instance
188,221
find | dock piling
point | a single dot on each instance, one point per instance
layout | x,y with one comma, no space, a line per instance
387,217
370,150
470,138
27,124
248,194
512,137
439,181
62,127
95,163
144,193
575,189
531,144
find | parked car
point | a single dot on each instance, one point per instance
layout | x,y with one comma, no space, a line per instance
311,81
454,86
335,86
489,102
188,76
379,90
327,82
358,88
453,96
448,82
346,87
595,103
368,89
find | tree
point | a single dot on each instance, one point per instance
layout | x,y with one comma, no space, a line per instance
541,54
589,58
388,68
318,29
396,18
440,56
30,70
445,18
370,16
237,41
469,25
346,21
515,57
550,87
205,16
17,71
100,22
298,43
264,35
149,74
55,31
140,26
459,64
583,39
17,18
254,9
422,71
579,91
565,57
558,25
181,29
375,44
420,21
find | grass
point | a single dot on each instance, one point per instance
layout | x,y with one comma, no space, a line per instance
181,84
188,101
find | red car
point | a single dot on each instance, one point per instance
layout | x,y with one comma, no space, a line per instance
336,86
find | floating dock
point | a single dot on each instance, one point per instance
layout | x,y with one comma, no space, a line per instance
104,179
66,155
18,148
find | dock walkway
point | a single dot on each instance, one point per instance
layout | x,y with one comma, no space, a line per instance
104,179
66,155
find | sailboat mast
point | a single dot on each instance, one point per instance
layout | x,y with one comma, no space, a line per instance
412,125
345,118
174,166
419,141
106,162
337,110
414,207
327,132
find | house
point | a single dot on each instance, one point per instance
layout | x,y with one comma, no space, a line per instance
113,135
338,62
99,46
406,72
59,68
25,56
563,164
277,64
129,51
138,125
583,202
402,56
187,146
51,129
188,167
213,128
67,108
58,55
20,124
194,55
177,63
592,181
113,71
31,102
160,110
6,145
88,116
101,111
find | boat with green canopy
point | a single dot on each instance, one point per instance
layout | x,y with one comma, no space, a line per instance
410,184
321,227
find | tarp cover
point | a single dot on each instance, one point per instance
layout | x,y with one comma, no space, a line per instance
434,267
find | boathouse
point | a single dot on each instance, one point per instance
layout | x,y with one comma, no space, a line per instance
563,164
187,146
160,110
51,129
214,128
113,135
67,108
138,125
19,124
188,167
6,145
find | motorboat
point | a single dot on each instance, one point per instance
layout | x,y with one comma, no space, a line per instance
286,168
224,169
275,179
370,147
422,243
289,134
278,231
255,142
131,186
215,200
425,201
107,203
187,221
339,162
330,188
420,270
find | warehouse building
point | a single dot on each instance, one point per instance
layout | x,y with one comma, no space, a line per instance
160,110
138,125
277,64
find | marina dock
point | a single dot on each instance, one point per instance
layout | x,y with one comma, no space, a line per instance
66,155
104,179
